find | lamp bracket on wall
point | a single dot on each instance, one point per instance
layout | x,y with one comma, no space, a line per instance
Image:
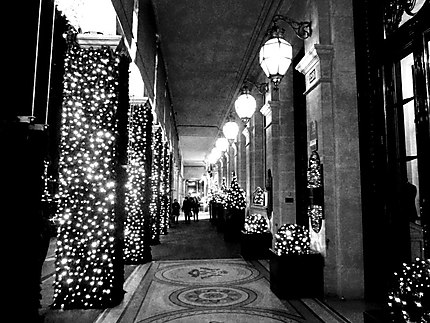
261,87
302,29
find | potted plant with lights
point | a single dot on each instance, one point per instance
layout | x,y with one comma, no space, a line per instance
409,297
235,211
295,270
255,238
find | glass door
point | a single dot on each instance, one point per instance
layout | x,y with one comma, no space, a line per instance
407,118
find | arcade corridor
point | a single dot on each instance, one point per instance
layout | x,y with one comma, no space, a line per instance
196,255
304,126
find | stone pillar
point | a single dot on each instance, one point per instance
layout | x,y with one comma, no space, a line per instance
331,101
241,160
226,170
280,159
256,151
248,188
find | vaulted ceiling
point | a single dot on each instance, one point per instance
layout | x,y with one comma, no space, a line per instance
208,47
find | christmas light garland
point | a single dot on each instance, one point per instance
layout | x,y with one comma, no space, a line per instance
87,235
165,189
139,134
314,174
292,239
154,206
314,185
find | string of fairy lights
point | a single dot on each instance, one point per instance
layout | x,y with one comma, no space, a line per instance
86,237
154,206
292,239
256,223
235,196
314,182
165,188
408,300
139,134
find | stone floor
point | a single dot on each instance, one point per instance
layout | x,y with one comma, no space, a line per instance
196,276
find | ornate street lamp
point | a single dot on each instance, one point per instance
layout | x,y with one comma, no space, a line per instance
276,53
245,105
214,155
221,144
230,130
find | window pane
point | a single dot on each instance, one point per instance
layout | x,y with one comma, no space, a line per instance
406,65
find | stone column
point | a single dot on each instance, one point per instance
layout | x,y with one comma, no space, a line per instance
331,101
256,151
248,188
241,160
280,159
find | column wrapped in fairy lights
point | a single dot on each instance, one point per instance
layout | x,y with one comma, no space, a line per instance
156,147
136,245
87,238
165,191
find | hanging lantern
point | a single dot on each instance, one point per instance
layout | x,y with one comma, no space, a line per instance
245,105
230,131
275,56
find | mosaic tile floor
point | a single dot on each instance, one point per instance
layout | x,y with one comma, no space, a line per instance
204,291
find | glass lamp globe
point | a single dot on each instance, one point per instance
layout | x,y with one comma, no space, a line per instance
221,144
245,106
214,155
230,130
275,57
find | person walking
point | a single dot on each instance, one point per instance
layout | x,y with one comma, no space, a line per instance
186,208
176,208
196,208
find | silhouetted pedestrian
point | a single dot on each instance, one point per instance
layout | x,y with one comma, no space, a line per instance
186,208
176,208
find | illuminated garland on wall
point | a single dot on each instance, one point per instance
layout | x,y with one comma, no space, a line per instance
314,185
292,239
314,174
87,237
154,206
409,299
139,134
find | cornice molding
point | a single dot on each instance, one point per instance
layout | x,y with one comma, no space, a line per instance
98,40
316,65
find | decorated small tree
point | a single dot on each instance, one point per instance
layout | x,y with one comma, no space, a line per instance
292,239
409,298
256,223
235,196
235,210
295,270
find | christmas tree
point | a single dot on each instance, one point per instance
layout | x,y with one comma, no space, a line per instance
235,196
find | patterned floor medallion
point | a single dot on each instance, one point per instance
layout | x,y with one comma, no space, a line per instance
213,296
207,274
222,316
215,291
